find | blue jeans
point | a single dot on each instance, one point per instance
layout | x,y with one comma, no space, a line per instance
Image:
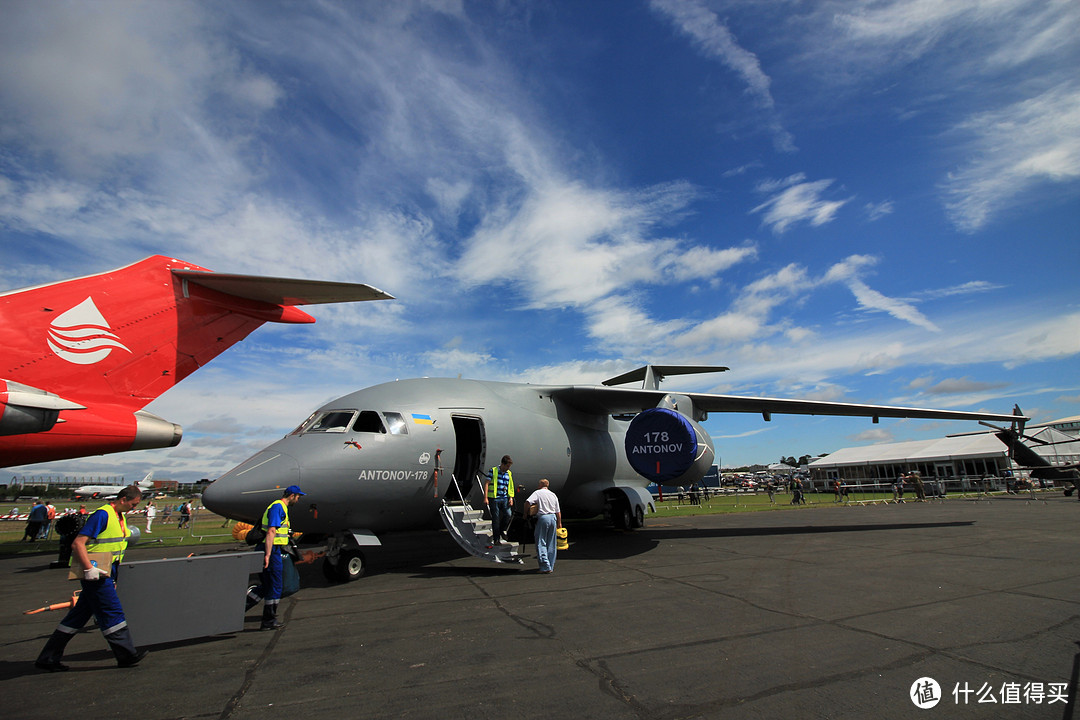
545,541
500,517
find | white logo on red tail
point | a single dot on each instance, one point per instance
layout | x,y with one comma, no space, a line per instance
82,336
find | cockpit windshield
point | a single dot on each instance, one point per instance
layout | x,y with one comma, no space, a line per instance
369,422
361,421
327,421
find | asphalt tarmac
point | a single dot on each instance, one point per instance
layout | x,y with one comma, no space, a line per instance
832,612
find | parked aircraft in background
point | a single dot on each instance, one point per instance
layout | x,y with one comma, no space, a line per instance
105,492
1052,443
373,461
82,357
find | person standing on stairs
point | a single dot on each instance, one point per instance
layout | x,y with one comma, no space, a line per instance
499,498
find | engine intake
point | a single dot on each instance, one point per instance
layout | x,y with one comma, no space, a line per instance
668,448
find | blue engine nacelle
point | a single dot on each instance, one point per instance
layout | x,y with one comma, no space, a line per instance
668,448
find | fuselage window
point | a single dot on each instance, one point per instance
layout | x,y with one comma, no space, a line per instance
335,421
369,422
396,423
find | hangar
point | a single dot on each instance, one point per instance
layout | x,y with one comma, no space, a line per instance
959,459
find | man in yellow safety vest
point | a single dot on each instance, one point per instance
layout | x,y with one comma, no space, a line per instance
104,537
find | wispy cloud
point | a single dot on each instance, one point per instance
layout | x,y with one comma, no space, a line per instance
876,211
798,202
715,40
1012,151
954,386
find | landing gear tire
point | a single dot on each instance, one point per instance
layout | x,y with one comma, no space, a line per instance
351,565
639,518
620,515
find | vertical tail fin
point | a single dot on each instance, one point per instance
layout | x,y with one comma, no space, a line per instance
86,355
128,335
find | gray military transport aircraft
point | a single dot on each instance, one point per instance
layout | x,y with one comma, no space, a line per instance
376,460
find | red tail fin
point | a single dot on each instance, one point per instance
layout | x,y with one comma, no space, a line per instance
120,339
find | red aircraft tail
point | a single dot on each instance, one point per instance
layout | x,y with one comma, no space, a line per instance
82,357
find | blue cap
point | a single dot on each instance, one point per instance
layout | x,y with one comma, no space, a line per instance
294,490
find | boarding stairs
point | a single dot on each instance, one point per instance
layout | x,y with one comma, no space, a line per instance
472,532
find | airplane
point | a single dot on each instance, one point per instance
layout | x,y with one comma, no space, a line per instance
1027,458
83,357
373,461
105,492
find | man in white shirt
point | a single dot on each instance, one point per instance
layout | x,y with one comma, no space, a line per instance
548,520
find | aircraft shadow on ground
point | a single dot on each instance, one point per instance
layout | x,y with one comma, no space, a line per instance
675,532
427,554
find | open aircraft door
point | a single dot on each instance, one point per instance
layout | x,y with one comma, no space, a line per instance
470,448
463,514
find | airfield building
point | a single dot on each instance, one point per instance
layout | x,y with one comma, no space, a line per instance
963,462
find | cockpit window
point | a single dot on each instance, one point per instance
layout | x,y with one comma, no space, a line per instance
369,422
336,421
396,423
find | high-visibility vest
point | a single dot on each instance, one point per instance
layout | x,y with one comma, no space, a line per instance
281,537
493,486
113,539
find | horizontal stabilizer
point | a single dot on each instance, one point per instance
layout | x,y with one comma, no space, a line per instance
651,375
283,291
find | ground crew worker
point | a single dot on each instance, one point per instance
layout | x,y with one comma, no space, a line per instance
105,531
499,498
548,521
276,521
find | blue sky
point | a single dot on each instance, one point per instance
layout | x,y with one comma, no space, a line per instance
852,201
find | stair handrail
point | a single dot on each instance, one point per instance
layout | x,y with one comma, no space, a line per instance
461,496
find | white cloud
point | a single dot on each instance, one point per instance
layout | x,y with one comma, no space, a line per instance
876,211
874,300
800,202
577,245
954,386
1012,151
715,40
876,436
1006,32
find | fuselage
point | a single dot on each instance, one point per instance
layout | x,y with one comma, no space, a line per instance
386,457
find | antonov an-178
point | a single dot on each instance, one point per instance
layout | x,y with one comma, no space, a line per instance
396,456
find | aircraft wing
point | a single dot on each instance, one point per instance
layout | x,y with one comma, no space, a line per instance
283,291
616,401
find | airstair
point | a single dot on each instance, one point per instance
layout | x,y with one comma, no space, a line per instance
473,533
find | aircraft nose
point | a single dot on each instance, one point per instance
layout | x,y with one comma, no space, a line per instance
244,492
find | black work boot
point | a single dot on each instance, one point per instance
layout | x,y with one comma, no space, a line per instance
269,618
49,658
123,648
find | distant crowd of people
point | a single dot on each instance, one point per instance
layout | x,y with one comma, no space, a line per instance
43,518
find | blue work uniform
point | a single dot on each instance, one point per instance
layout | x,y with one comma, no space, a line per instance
275,516
106,531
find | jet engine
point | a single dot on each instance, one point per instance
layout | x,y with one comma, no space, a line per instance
25,409
17,420
668,448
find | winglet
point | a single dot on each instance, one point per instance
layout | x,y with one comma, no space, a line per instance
651,375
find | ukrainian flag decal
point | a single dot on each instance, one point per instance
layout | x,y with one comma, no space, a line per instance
422,419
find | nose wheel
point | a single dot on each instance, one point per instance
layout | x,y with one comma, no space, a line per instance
350,565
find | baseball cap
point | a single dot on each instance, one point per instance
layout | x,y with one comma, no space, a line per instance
294,490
